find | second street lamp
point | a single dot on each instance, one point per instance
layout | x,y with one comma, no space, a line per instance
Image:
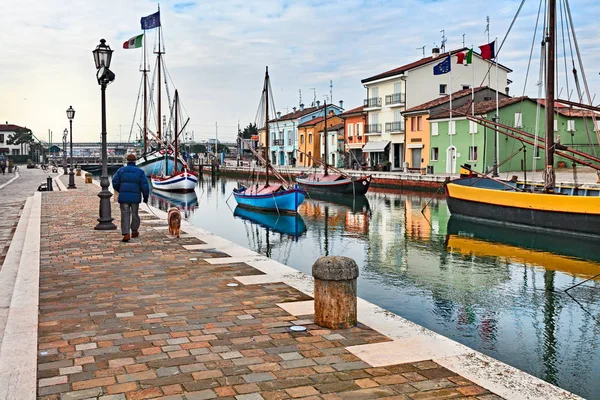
102,57
71,115
65,133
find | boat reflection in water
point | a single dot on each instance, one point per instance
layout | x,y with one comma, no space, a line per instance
185,202
575,256
289,224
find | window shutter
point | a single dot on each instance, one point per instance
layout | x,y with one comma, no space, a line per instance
434,129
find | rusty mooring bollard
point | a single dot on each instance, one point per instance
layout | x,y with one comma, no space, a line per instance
335,292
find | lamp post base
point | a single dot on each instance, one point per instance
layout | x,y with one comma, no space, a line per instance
72,180
105,221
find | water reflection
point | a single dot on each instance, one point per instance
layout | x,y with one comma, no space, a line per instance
292,225
496,290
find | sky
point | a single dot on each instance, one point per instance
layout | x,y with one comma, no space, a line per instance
216,53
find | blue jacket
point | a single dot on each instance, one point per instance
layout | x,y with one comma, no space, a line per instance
131,183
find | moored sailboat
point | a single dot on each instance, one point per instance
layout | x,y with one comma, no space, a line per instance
270,197
480,197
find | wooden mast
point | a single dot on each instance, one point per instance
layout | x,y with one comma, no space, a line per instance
550,71
145,72
158,117
325,138
176,131
267,126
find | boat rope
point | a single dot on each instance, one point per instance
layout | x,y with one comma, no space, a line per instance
275,201
137,102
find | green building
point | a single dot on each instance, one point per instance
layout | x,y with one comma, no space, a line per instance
471,143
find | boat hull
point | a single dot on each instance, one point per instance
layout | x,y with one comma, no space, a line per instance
181,182
153,163
352,186
554,212
286,201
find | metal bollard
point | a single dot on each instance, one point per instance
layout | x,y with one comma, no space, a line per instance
49,184
335,292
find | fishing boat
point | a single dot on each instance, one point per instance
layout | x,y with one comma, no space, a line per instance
177,181
292,225
336,183
278,197
549,207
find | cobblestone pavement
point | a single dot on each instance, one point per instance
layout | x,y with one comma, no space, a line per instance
12,199
150,319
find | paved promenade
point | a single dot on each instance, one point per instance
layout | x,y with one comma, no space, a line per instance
201,318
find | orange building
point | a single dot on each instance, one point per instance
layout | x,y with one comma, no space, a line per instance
354,137
417,139
309,140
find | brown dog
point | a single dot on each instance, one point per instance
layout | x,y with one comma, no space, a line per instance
174,219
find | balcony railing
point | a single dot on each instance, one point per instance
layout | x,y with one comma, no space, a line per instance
396,98
373,128
373,102
278,142
394,126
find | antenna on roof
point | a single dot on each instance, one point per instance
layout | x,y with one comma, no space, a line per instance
463,40
444,40
331,90
422,48
314,96
299,97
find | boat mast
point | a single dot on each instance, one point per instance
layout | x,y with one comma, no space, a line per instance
159,53
549,179
267,125
325,138
176,131
145,72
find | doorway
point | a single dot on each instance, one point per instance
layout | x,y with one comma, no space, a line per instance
451,160
416,158
398,154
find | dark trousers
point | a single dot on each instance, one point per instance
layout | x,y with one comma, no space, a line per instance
130,218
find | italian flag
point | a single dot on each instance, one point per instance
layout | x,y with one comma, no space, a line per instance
465,58
134,42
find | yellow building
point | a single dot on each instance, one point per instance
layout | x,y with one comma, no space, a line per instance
309,139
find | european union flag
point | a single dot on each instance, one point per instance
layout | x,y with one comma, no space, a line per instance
151,21
443,67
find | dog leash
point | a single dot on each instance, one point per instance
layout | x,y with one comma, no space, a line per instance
150,208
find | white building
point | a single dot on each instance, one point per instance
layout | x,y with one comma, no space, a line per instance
6,131
391,92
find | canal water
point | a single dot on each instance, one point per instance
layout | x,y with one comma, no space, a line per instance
503,292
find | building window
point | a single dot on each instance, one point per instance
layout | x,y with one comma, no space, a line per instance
301,157
597,125
16,152
443,87
1,137
301,139
333,139
310,138
472,153
571,125
555,126
412,124
349,131
452,128
434,129
518,120
419,121
464,87
473,126
435,152
357,129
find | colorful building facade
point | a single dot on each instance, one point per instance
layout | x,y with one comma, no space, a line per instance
354,136
309,140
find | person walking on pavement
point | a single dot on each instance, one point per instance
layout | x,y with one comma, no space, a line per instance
2,166
131,183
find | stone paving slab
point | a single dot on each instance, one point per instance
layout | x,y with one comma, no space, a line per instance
154,319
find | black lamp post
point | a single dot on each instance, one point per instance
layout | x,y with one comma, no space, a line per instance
65,133
102,57
71,115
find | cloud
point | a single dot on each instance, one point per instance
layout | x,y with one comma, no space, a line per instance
216,53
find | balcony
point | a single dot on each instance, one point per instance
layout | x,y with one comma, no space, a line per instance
395,99
278,142
394,127
373,129
373,102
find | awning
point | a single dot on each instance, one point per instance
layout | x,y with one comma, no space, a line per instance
415,146
375,147
4,150
354,146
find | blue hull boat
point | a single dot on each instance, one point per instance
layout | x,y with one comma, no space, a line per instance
273,198
292,225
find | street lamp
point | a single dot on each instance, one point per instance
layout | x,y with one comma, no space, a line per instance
71,115
65,133
102,57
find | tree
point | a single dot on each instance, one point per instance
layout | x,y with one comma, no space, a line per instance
22,135
249,131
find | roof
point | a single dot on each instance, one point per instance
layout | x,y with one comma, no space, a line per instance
357,110
314,121
570,111
481,107
335,127
441,100
419,63
10,128
296,114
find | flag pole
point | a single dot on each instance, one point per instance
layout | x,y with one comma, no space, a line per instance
497,111
472,103
452,167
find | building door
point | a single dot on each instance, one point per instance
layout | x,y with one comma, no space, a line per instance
398,150
282,158
451,160
416,158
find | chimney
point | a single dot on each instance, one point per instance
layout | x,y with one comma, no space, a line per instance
294,108
318,103
342,104
278,114
301,106
507,90
435,52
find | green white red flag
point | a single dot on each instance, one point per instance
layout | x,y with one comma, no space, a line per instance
465,58
134,42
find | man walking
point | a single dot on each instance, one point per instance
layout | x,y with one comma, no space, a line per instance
131,183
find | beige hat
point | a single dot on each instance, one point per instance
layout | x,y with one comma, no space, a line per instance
131,157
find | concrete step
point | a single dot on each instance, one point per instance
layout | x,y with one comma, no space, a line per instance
10,267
